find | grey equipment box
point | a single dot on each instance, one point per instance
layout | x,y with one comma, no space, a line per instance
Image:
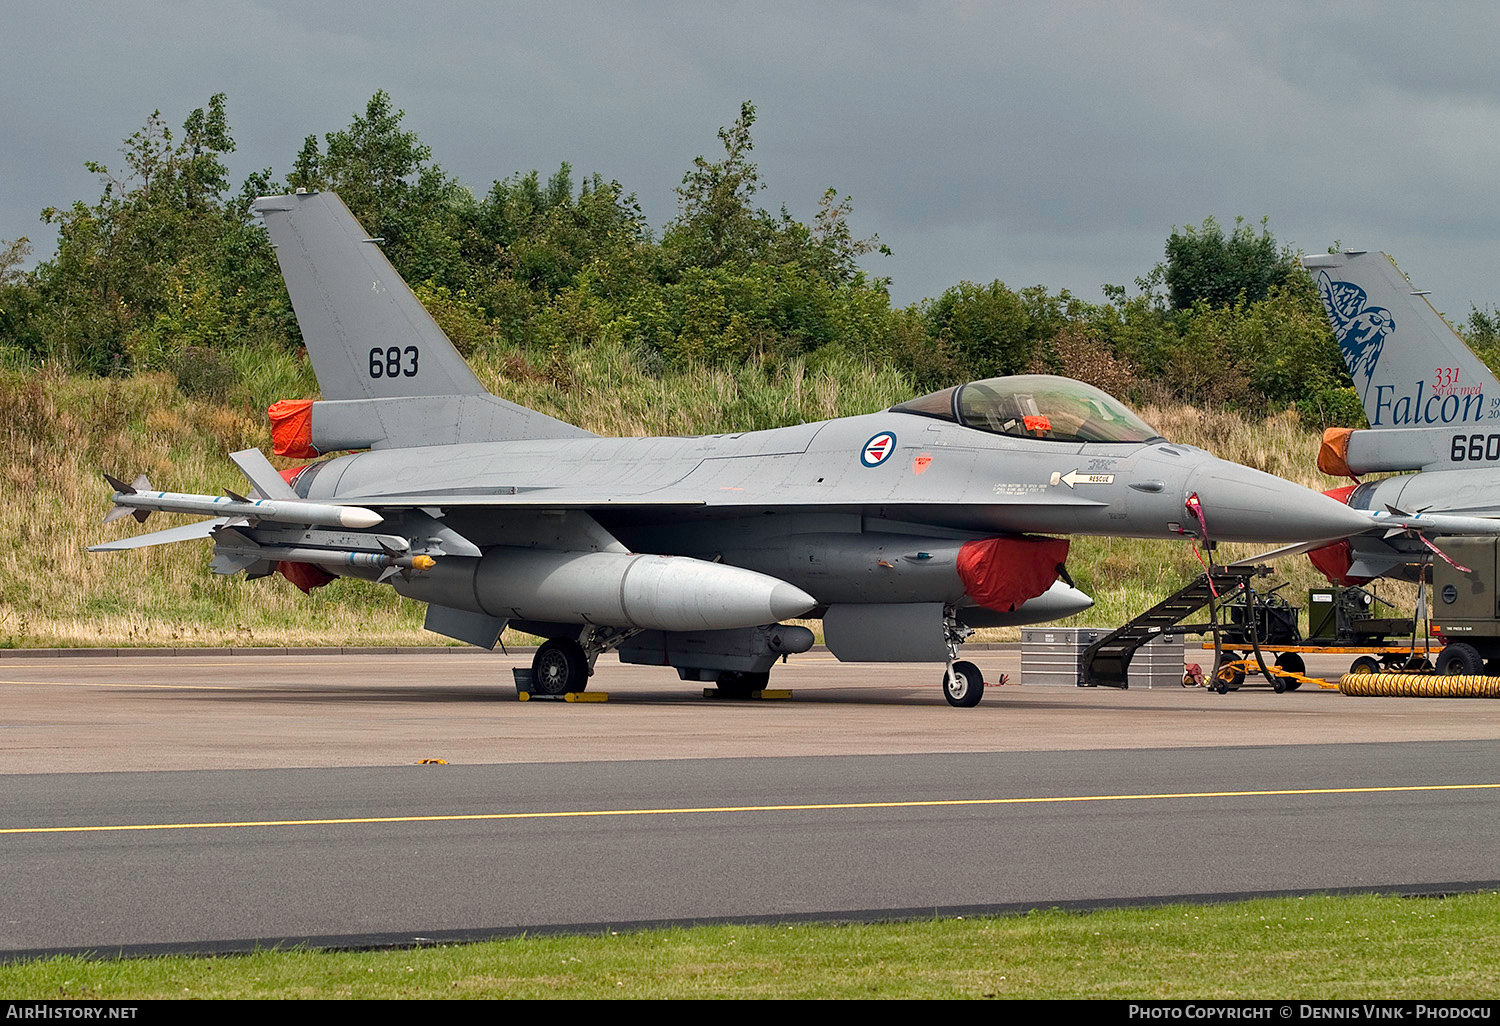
1054,656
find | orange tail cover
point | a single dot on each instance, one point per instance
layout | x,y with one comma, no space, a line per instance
291,429
1333,453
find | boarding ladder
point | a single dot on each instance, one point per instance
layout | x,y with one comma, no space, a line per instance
1106,662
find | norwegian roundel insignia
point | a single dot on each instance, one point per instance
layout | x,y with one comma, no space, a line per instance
878,449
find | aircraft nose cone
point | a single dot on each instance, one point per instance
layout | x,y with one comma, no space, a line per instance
1241,504
789,601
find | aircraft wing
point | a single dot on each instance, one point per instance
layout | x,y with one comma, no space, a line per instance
544,499
538,500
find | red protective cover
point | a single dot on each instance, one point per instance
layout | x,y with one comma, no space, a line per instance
304,575
1001,573
291,428
1334,560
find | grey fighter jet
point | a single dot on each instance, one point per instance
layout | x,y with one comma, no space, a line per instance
902,530
1433,408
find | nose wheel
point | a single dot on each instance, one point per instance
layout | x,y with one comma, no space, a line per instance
963,685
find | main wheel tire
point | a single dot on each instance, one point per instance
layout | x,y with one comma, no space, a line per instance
559,667
1292,662
964,687
1460,660
1365,664
736,684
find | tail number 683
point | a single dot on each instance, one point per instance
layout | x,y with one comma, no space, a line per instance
394,362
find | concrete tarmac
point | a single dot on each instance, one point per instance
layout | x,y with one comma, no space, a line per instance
215,712
200,802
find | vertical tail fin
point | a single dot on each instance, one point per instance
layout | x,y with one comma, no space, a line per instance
1410,367
388,374
368,337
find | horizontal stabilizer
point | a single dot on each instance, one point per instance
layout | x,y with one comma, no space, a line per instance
190,532
1282,553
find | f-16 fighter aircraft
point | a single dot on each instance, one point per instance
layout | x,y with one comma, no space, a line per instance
1433,407
902,530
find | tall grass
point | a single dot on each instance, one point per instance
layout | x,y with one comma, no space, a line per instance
58,432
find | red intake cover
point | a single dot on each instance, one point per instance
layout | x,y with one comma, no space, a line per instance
304,575
1001,573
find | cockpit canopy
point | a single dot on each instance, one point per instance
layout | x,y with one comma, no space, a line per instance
1035,406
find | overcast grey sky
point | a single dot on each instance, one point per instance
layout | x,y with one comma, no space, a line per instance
1052,143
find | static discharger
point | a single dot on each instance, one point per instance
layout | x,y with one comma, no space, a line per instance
138,501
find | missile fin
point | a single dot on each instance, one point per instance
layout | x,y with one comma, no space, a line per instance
142,483
118,485
233,562
258,470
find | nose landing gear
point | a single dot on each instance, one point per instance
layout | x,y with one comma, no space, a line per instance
963,685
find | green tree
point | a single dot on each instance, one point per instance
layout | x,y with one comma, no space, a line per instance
19,338
163,259
1482,333
717,222
991,330
1205,265
385,176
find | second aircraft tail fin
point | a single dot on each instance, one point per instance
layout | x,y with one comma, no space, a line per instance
1410,367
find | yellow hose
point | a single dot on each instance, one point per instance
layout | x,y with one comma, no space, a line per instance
1419,685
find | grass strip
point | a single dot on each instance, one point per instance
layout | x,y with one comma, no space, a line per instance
1318,947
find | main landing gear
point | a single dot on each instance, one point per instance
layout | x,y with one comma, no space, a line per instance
563,665
559,667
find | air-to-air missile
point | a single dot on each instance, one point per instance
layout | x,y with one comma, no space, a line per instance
139,501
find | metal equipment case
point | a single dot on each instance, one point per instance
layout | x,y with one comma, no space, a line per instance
1054,656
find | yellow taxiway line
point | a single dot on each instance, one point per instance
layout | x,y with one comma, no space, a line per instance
587,813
